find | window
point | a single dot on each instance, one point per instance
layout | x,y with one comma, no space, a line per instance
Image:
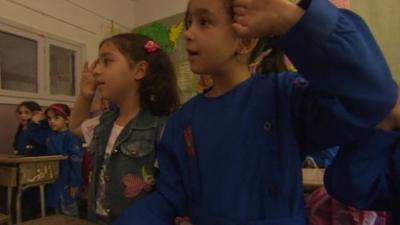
18,63
37,66
62,71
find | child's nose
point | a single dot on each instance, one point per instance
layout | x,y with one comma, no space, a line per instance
188,34
97,70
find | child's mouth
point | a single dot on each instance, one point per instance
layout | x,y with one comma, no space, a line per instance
192,54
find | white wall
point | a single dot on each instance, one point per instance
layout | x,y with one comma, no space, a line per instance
83,21
383,17
147,11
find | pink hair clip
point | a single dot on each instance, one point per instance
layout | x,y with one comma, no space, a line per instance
151,46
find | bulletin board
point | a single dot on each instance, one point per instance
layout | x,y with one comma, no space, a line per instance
168,33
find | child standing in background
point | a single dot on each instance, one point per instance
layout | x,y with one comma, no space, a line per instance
233,154
24,144
133,72
61,195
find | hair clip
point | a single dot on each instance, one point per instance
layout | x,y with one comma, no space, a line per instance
151,46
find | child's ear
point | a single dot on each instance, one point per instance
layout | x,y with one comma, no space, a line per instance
247,45
140,70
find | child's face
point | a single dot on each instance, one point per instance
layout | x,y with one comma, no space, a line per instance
57,123
211,40
114,73
24,115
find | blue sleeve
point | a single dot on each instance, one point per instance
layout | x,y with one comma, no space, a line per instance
363,174
324,158
75,154
39,132
169,199
349,85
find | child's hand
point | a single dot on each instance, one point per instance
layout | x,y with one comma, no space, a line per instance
258,18
73,191
37,116
88,81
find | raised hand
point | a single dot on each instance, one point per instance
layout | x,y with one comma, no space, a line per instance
259,18
37,116
88,80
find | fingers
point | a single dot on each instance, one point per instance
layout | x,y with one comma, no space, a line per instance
241,30
87,68
240,10
241,17
37,114
93,65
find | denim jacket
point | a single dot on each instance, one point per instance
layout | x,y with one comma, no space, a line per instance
131,162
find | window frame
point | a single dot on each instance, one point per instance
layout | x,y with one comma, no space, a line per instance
43,40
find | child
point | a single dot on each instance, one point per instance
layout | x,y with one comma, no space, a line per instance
233,154
61,195
366,174
136,75
24,144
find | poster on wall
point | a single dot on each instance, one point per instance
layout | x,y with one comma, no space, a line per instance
168,33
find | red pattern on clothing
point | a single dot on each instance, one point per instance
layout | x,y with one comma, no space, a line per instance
184,220
188,136
133,185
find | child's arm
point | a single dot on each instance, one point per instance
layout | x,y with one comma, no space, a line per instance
363,175
38,128
169,199
75,155
366,174
81,110
350,85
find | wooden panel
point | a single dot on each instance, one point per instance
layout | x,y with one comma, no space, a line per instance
313,178
8,176
3,219
58,219
38,172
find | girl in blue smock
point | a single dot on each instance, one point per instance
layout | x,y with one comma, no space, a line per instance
232,155
61,195
24,144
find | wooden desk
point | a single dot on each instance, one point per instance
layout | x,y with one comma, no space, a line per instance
313,179
26,172
58,219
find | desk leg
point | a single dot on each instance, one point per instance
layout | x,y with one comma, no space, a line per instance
9,202
42,201
18,204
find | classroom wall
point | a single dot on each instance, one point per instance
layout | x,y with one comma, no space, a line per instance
86,22
382,16
147,11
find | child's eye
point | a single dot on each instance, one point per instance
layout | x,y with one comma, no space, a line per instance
188,23
204,22
106,61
